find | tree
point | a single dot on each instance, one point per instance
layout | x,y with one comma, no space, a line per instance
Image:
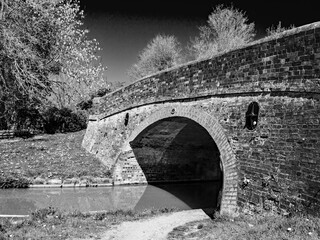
162,52
227,28
40,39
81,74
26,42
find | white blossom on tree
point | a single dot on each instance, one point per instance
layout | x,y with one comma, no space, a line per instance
162,52
40,39
227,28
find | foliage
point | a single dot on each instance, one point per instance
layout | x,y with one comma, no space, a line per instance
227,28
13,181
23,134
63,120
44,51
3,121
29,119
26,37
274,31
82,72
162,52
86,105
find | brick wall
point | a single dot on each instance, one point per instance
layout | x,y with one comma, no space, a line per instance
275,165
290,62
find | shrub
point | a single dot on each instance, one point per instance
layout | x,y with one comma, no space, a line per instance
23,134
29,118
11,181
275,31
85,104
100,92
63,120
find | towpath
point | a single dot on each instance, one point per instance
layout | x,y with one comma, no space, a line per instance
155,228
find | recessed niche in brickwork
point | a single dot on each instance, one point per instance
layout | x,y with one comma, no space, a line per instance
126,119
252,116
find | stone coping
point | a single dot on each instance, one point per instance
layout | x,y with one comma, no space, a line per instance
70,185
14,216
280,35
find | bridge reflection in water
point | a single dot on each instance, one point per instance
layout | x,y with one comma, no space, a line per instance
138,197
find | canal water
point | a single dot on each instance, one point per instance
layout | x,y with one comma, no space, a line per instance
182,196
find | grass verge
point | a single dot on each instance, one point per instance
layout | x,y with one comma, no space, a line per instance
251,227
47,157
50,223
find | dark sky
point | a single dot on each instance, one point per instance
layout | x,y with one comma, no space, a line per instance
123,28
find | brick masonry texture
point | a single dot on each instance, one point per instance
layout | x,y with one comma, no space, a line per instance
275,165
289,63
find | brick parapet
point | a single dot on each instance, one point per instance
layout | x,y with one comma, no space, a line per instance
290,63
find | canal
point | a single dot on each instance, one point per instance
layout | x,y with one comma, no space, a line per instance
184,196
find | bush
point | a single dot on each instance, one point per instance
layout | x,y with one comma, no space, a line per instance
23,134
100,92
29,118
85,104
11,181
63,120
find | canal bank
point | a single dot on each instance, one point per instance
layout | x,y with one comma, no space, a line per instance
47,160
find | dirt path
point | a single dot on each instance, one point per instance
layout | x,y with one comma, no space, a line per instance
155,228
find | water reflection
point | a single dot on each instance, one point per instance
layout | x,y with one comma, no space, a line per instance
182,196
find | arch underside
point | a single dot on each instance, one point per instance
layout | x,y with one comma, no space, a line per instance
179,144
177,149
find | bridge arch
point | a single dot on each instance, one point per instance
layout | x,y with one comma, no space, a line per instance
216,132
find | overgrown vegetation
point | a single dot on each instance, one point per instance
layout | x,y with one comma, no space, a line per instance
275,31
50,223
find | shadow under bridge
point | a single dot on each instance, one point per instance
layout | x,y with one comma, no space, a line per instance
179,156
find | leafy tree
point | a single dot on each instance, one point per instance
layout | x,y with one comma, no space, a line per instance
227,28
40,39
81,72
274,31
26,41
162,52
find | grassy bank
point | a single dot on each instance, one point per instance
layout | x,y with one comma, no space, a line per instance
53,224
48,159
251,227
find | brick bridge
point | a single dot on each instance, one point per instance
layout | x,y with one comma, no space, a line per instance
248,118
